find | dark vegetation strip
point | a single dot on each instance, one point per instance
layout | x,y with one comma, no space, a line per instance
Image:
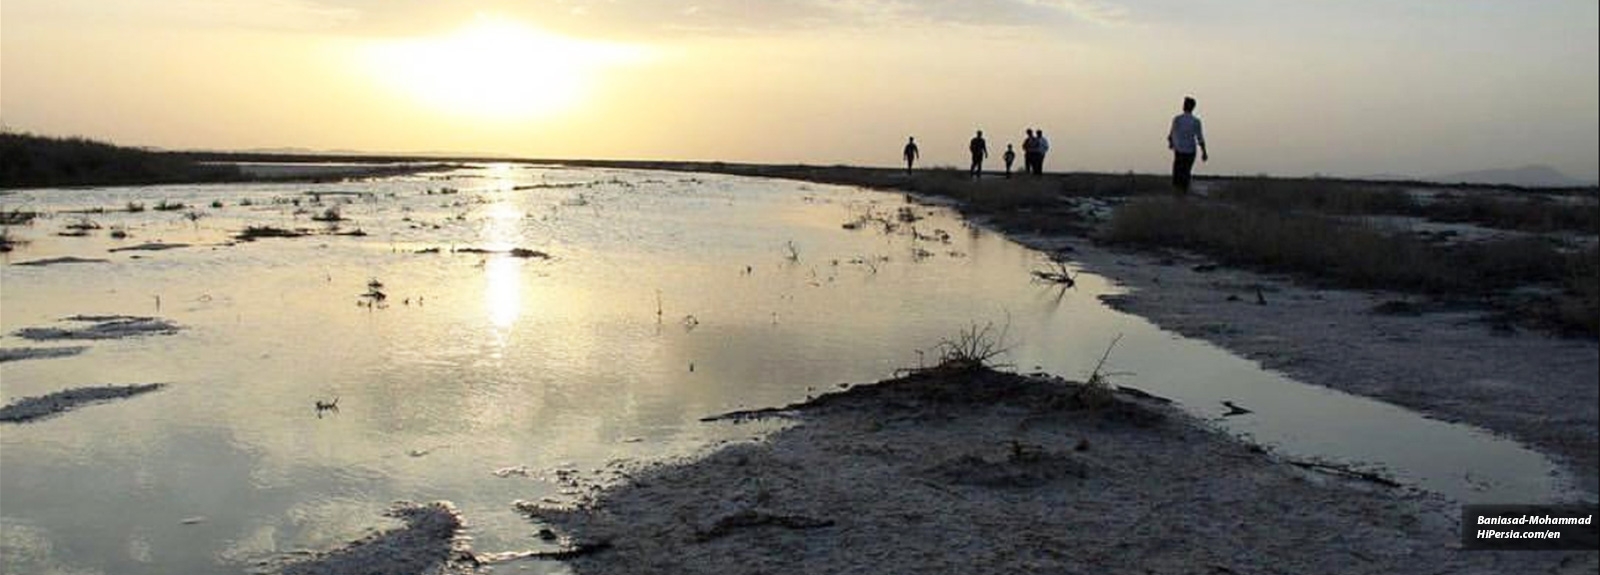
31,161
1540,211
28,160
1354,255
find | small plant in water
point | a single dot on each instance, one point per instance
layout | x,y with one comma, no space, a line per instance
1096,390
7,243
792,251
83,224
327,406
135,207
1057,273
329,215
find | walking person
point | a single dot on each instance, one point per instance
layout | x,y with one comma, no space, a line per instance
1182,139
1009,156
1030,151
1044,148
980,151
910,153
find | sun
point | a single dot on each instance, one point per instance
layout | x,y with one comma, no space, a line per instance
495,69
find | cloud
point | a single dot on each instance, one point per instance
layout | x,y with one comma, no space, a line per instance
250,14
1024,13
721,17
265,14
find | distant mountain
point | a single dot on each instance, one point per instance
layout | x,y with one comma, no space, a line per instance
1526,176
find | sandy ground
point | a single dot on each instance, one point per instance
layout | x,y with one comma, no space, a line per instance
983,472
1450,364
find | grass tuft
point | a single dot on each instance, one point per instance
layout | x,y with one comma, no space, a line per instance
974,347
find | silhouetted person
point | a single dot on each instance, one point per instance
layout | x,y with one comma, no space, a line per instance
1030,151
980,151
1182,139
1044,149
910,153
1009,156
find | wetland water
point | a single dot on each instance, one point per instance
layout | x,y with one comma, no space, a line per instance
482,376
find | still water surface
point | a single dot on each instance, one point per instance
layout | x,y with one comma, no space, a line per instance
667,297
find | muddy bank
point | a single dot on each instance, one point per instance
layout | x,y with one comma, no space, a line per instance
426,544
149,247
101,327
61,260
974,471
21,353
32,408
1451,364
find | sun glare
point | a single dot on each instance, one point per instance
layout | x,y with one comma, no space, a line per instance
496,69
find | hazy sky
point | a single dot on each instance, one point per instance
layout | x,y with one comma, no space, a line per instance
1338,87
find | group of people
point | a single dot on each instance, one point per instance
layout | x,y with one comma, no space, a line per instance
1184,138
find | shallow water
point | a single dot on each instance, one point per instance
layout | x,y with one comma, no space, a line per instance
668,297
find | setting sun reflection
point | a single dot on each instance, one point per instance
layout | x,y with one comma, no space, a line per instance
502,231
502,293
495,69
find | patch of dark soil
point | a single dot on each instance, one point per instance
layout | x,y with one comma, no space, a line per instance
1023,466
31,408
62,260
101,327
252,233
148,247
955,386
21,353
426,545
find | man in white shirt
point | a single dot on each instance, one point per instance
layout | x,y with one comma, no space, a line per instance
1182,139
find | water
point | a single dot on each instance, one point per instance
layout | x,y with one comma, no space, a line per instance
668,297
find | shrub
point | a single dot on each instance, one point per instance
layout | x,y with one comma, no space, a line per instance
974,347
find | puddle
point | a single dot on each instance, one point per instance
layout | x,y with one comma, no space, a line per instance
483,378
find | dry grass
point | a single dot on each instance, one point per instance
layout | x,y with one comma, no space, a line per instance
1524,211
974,347
1355,255
988,194
1351,253
1533,213
1342,198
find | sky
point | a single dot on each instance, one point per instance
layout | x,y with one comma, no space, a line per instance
1292,88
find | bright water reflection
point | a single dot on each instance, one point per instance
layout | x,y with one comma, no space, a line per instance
668,297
